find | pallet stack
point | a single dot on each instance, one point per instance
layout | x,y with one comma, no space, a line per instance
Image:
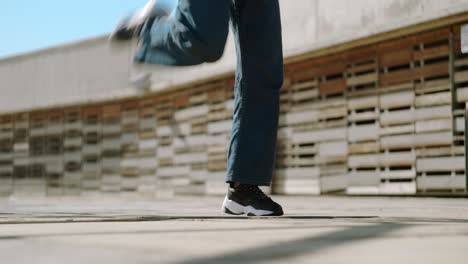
333,116
297,172
91,149
397,159
129,165
459,81
452,177
168,175
111,154
312,149
147,164
388,118
221,107
440,164
184,157
28,177
363,121
38,152
283,142
6,155
72,148
398,122
191,148
54,159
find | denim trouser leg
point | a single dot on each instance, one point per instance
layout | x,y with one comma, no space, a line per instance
259,77
197,34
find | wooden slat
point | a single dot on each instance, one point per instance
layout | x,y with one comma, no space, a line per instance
395,58
433,70
305,74
360,55
362,79
371,66
442,98
395,45
432,36
432,53
441,164
441,182
332,87
397,100
397,77
182,100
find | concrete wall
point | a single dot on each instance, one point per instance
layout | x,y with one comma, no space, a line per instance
91,71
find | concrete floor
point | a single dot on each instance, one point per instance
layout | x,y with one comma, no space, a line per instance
131,229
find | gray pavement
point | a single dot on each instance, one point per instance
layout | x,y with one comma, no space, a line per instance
133,229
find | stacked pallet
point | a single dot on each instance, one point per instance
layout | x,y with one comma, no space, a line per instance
91,149
23,184
54,159
452,176
129,164
434,128
297,172
397,131
168,175
312,148
72,147
363,121
184,157
6,155
333,115
398,122
382,123
459,75
387,118
191,148
221,108
440,163
38,153
284,135
147,164
111,155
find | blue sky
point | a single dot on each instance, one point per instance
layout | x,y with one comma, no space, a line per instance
31,25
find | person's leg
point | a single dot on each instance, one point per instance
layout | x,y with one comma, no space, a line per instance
259,77
195,34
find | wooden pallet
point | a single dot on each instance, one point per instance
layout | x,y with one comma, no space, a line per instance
91,149
441,174
72,149
333,177
129,140
6,155
362,71
147,145
384,188
362,118
424,57
21,153
297,181
217,157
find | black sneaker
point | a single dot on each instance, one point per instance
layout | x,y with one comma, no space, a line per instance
250,200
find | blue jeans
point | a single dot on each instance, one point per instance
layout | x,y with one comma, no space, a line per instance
196,34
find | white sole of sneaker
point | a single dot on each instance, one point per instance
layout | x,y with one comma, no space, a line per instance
232,207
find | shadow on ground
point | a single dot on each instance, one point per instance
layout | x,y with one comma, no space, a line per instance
290,249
